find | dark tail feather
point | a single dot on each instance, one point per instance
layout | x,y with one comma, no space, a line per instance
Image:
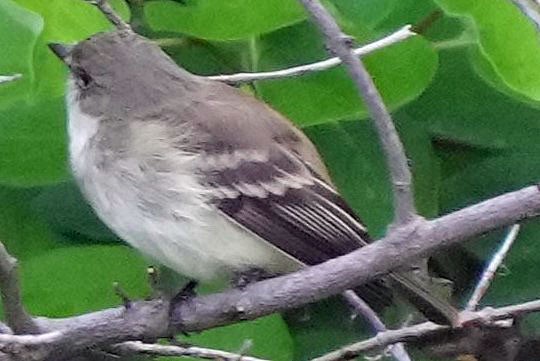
434,308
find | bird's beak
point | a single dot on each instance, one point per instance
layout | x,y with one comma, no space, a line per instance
62,51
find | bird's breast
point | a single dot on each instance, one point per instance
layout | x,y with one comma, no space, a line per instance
153,199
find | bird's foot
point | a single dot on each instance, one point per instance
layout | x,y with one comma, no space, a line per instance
184,295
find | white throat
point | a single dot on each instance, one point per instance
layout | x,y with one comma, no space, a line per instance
81,128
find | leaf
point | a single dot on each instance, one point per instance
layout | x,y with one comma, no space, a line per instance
74,280
351,151
506,39
367,12
401,73
223,20
268,336
459,108
65,21
71,21
32,144
19,32
24,234
68,213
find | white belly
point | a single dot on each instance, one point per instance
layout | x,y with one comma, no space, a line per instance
165,215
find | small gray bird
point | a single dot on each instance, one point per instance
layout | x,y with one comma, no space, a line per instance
200,176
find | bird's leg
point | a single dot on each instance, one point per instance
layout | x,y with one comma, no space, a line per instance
184,295
251,275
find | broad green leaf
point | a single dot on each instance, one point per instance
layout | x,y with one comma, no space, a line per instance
352,152
71,21
459,108
223,20
32,143
517,283
203,57
507,39
67,212
65,21
477,175
19,32
401,72
407,12
269,337
74,280
24,233
366,12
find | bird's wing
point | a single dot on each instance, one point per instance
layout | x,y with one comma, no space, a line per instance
282,200
278,197
265,175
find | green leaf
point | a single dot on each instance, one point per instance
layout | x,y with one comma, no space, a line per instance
71,21
24,234
75,280
32,144
401,72
223,20
352,152
459,108
506,39
19,32
268,336
519,283
367,12
68,213
64,21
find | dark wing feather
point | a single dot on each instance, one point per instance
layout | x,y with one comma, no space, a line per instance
267,177
283,201
282,196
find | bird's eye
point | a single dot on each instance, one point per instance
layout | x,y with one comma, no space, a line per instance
84,80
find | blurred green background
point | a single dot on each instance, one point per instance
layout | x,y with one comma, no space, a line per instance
465,96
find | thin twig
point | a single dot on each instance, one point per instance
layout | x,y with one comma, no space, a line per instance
489,273
17,318
9,78
363,309
407,334
400,35
138,348
110,14
339,44
531,9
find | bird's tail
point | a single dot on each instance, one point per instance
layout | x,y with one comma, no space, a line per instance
433,307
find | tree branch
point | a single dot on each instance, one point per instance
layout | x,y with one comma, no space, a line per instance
17,318
489,273
407,334
362,308
9,78
530,9
149,319
138,348
110,14
339,44
400,35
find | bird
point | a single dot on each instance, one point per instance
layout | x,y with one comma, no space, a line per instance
201,176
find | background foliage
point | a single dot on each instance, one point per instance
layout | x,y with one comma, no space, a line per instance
464,94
